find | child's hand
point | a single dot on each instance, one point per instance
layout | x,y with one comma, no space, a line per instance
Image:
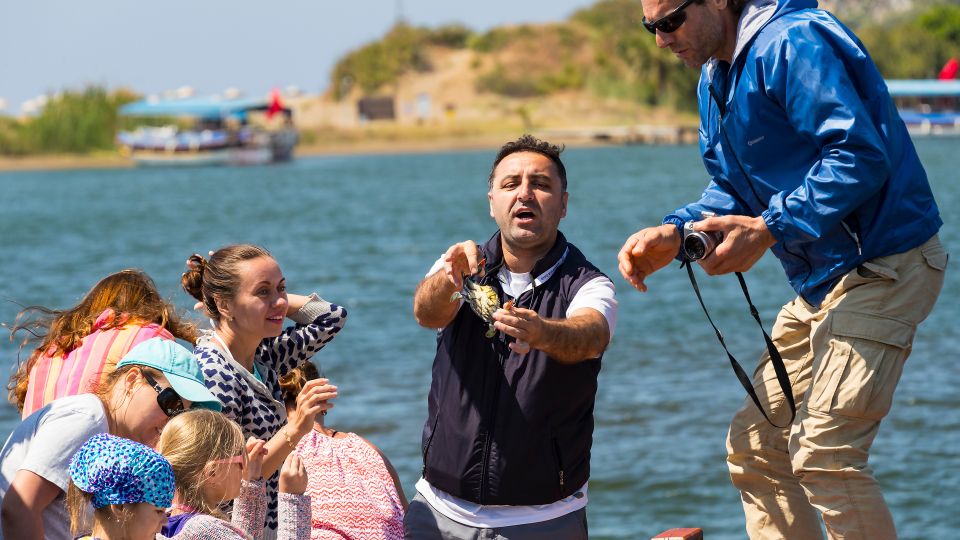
255,454
293,475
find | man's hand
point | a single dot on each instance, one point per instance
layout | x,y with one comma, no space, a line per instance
460,260
745,240
431,302
646,252
523,324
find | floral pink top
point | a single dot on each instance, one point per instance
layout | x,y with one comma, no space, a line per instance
351,491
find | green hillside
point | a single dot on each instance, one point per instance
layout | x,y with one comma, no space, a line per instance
603,50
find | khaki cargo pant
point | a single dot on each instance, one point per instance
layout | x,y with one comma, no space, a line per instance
844,361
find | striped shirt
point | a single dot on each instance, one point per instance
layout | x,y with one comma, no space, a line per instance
82,369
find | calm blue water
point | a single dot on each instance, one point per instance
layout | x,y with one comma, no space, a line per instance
362,230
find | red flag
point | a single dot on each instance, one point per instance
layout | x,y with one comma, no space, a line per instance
276,105
949,70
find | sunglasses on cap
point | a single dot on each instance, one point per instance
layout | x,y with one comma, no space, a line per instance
167,398
670,22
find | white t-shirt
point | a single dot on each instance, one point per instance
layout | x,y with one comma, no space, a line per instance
599,294
44,443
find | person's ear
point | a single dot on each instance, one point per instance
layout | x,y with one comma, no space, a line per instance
224,307
130,379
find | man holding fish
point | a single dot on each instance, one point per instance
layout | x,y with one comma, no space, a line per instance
506,444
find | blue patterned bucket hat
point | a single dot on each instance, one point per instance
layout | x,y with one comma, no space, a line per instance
119,471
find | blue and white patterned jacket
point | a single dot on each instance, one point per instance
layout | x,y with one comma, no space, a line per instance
258,407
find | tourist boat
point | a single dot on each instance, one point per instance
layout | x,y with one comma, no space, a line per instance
928,106
209,131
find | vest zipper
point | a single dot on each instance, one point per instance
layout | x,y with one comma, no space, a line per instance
556,449
485,456
426,449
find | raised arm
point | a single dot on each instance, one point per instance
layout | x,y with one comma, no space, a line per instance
432,307
318,322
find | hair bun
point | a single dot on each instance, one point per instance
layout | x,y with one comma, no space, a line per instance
192,279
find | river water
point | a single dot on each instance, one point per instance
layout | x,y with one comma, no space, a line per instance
362,230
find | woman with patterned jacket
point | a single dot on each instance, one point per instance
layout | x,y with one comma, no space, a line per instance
244,292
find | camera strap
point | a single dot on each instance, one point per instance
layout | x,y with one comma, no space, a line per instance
778,366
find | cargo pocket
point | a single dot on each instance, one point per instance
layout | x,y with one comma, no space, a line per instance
935,255
859,371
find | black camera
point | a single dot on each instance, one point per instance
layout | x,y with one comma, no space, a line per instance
699,244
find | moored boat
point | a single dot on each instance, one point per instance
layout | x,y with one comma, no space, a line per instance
928,106
209,131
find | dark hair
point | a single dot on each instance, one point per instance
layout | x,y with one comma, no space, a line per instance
292,383
130,293
529,143
218,278
738,5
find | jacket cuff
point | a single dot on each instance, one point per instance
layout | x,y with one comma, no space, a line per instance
294,516
771,217
309,312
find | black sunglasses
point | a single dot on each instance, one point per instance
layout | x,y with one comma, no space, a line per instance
670,22
167,398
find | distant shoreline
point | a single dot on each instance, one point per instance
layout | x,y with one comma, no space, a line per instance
374,147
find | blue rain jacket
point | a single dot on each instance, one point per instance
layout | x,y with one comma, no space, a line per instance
800,129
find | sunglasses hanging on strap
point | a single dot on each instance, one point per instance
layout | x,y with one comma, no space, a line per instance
775,357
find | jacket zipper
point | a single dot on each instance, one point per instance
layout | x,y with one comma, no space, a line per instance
721,109
856,238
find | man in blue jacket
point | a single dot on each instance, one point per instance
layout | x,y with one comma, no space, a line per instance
807,157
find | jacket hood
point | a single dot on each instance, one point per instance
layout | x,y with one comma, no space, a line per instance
755,15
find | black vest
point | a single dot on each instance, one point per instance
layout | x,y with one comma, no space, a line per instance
503,428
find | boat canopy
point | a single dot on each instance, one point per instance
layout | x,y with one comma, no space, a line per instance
205,108
923,88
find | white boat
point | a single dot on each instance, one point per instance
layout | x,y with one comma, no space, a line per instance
219,132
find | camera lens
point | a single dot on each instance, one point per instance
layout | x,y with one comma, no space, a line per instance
694,247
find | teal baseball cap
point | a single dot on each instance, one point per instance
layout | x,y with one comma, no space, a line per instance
178,365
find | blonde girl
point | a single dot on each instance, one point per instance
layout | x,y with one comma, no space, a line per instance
212,466
129,485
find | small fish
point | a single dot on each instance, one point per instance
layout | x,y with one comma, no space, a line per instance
482,299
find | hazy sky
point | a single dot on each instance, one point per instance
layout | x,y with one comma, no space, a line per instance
48,45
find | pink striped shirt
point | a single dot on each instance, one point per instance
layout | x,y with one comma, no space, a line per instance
80,371
351,491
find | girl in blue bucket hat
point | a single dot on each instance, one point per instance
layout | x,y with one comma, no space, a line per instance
129,485
155,381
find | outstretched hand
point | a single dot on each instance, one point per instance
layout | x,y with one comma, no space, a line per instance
745,240
647,251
